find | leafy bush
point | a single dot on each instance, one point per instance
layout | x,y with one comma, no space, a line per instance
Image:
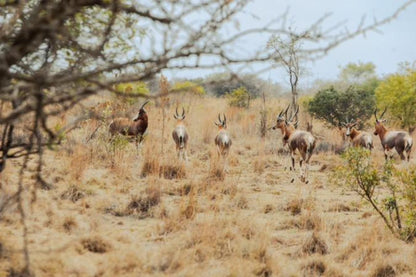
188,86
135,88
398,207
239,98
335,106
398,92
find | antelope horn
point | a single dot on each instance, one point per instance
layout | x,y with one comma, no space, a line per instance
183,112
383,113
176,112
375,114
287,110
219,118
147,101
294,115
225,119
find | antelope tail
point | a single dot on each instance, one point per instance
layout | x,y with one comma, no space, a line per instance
408,145
181,142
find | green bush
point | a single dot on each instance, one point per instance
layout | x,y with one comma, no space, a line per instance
335,106
188,86
397,208
239,97
133,88
398,93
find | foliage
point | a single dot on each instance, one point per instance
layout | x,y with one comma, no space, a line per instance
239,98
398,93
119,143
222,83
132,88
398,207
358,73
335,106
188,86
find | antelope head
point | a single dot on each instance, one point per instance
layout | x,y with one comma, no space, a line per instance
379,127
142,112
222,124
179,117
281,119
349,125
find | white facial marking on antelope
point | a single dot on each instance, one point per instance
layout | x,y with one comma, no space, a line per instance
399,140
180,136
135,127
302,141
358,138
222,140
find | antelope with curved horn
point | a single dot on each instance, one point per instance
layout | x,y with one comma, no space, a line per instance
180,136
358,138
302,141
400,140
135,127
222,140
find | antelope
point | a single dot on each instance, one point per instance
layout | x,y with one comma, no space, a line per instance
302,141
180,136
132,128
358,138
400,140
222,140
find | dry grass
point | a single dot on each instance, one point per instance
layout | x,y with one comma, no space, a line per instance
116,211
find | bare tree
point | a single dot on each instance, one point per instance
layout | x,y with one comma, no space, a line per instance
287,55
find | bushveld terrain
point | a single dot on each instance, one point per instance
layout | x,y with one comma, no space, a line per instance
113,210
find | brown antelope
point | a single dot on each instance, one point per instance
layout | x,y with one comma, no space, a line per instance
358,138
133,128
400,140
180,136
302,141
222,140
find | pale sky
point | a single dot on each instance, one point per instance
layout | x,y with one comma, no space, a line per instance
396,43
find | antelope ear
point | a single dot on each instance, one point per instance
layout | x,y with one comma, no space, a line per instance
136,117
174,116
216,124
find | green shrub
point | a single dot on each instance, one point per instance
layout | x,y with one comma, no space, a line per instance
398,207
133,88
188,86
239,98
334,106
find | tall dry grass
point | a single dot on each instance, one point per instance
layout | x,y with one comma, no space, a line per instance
116,211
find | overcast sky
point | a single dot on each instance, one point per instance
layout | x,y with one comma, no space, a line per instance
396,43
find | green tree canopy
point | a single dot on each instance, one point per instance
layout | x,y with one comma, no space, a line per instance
334,106
188,86
398,93
358,73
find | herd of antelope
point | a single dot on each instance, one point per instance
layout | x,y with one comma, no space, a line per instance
302,141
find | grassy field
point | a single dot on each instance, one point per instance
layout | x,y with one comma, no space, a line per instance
116,211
